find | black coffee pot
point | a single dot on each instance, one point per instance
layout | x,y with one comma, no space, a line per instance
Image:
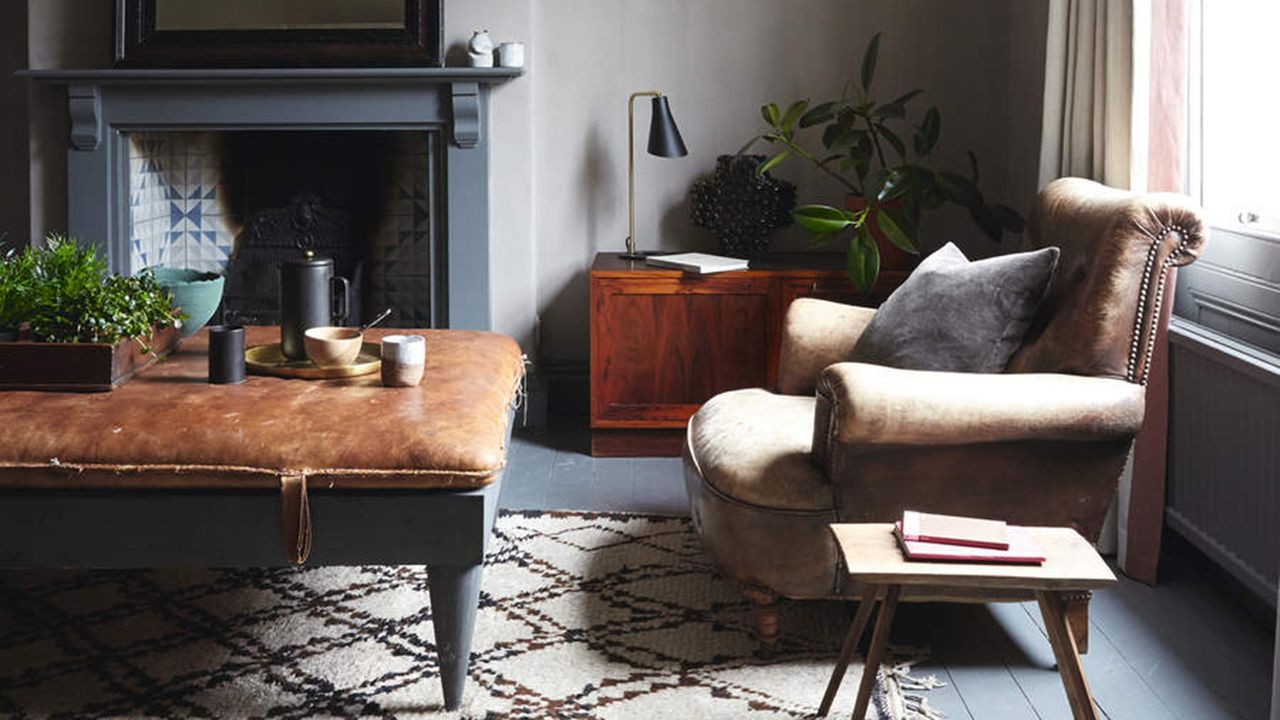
310,296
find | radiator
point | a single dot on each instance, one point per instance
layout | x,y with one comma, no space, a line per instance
1224,452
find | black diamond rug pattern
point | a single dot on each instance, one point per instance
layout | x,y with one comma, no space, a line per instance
582,615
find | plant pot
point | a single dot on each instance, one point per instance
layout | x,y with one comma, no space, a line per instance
78,367
196,293
892,257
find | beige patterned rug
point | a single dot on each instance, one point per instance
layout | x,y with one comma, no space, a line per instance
582,615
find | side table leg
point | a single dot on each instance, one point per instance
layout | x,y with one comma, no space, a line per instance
1053,609
455,595
875,653
859,626
1076,607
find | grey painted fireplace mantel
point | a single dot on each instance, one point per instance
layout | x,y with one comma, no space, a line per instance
105,105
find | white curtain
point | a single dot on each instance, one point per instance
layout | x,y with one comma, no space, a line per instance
1096,93
1096,117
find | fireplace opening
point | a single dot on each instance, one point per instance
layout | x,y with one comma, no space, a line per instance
242,202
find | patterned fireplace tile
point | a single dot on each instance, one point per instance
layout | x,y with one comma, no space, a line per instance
177,218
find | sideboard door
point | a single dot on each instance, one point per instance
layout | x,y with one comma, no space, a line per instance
661,346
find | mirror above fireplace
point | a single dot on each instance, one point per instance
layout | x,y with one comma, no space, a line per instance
278,33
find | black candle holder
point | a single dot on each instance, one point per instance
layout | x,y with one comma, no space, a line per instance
226,354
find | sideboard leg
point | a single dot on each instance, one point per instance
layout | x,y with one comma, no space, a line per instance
455,595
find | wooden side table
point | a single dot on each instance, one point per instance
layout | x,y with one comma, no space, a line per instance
873,558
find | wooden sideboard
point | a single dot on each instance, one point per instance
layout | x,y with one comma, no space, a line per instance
664,341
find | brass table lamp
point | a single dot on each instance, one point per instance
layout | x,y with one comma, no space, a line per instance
664,141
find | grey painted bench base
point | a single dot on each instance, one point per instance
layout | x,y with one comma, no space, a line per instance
448,531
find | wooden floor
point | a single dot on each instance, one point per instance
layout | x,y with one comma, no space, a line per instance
1187,649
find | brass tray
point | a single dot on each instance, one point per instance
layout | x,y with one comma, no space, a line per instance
270,360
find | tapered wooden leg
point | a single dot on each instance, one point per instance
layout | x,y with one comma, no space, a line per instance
875,653
851,640
455,596
766,609
1077,608
1053,609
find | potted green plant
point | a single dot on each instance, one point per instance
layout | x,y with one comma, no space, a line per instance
890,182
73,299
90,330
15,292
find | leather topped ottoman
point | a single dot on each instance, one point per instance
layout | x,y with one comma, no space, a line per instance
169,470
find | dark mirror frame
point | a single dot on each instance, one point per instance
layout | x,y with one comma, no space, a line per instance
139,44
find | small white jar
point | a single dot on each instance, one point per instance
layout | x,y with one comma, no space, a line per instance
404,357
511,55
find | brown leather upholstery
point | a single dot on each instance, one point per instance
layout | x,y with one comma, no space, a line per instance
1103,306
169,428
815,334
754,446
1042,444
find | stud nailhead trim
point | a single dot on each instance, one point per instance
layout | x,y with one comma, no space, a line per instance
1140,320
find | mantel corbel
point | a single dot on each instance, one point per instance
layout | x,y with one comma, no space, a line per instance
466,114
84,105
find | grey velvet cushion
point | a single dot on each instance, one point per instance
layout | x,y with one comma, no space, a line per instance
959,316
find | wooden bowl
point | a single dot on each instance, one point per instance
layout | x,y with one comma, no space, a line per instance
333,347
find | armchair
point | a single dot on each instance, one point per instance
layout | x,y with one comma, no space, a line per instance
1043,443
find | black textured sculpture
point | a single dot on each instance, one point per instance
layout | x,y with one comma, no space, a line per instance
741,206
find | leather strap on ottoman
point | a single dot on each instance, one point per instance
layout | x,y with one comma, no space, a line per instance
295,518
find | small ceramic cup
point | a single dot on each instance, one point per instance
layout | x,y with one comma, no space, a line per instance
511,55
403,359
226,354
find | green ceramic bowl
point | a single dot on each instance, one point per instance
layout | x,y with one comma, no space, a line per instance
197,293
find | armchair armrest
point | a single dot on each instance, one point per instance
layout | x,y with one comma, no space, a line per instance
870,404
815,334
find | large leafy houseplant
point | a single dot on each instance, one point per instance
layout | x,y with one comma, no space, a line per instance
69,297
865,148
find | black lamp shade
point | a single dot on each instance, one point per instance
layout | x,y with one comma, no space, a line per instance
664,136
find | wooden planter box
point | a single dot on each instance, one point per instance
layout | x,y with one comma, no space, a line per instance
77,367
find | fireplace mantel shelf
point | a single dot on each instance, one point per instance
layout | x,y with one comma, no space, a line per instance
106,106
254,76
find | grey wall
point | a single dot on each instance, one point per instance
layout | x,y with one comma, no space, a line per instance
1028,26
60,34
14,194
719,60
559,133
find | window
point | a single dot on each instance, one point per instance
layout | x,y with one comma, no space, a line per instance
1235,113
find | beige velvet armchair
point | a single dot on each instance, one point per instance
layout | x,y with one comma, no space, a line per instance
1043,443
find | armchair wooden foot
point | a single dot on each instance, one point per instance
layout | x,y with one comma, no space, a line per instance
766,608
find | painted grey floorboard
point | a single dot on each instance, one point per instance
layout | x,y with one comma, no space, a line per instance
1187,649
552,470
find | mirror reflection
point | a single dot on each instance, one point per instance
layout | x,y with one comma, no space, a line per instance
280,14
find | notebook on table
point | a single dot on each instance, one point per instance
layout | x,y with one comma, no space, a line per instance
701,263
954,530
1022,549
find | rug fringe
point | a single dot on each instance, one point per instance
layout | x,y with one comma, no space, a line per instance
890,699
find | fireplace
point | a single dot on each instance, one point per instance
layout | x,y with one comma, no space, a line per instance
242,202
386,169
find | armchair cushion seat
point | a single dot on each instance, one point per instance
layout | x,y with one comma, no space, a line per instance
754,447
